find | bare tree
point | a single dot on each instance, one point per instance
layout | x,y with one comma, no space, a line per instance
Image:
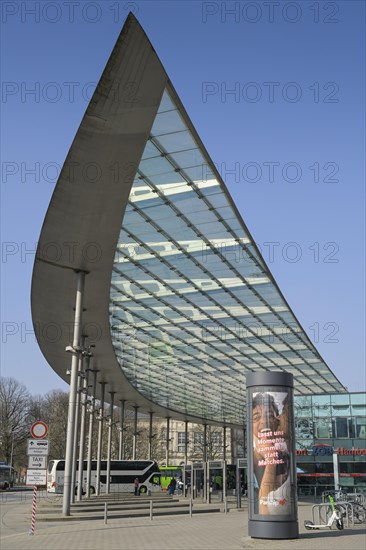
53,410
56,411
214,442
14,420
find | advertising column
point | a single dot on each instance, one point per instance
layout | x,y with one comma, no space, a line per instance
271,456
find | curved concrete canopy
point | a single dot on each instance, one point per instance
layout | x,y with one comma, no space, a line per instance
176,320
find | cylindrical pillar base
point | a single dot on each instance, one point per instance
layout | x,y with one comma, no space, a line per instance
273,529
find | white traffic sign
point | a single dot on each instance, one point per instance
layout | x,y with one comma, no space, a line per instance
38,447
39,430
36,477
37,462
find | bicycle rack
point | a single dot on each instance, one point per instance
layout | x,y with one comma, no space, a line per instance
356,497
317,517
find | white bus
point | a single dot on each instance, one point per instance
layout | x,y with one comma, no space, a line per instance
122,476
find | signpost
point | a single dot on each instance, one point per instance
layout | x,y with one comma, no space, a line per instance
37,455
37,447
37,462
39,430
36,477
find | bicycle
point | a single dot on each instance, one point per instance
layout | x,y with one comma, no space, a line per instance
358,511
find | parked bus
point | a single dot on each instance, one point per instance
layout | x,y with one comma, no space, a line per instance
7,476
122,475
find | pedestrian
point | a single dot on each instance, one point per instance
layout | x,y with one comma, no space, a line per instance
180,486
172,486
136,485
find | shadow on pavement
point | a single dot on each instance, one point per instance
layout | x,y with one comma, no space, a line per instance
331,533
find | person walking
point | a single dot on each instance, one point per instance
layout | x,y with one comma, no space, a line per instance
172,486
136,485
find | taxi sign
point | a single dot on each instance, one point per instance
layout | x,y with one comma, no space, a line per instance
37,462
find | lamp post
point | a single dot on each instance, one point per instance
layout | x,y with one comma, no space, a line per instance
11,458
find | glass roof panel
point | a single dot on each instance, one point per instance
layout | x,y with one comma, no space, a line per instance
177,141
193,307
167,122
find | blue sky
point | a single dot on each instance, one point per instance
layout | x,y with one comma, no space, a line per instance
275,90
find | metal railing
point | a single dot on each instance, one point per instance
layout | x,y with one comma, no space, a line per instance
149,511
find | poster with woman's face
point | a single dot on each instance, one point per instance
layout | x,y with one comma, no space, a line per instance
272,450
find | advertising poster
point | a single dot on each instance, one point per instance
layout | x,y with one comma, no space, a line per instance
272,452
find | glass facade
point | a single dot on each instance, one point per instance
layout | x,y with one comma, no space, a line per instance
193,307
325,424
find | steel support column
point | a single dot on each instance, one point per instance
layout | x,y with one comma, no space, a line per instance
224,482
244,441
167,441
135,434
77,429
151,436
237,482
109,450
121,450
205,465
73,391
90,435
100,436
185,457
224,443
83,399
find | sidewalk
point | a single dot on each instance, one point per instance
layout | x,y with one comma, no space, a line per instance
215,531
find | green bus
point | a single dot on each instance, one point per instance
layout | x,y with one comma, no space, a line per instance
167,474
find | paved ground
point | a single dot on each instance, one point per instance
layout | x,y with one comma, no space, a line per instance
215,531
